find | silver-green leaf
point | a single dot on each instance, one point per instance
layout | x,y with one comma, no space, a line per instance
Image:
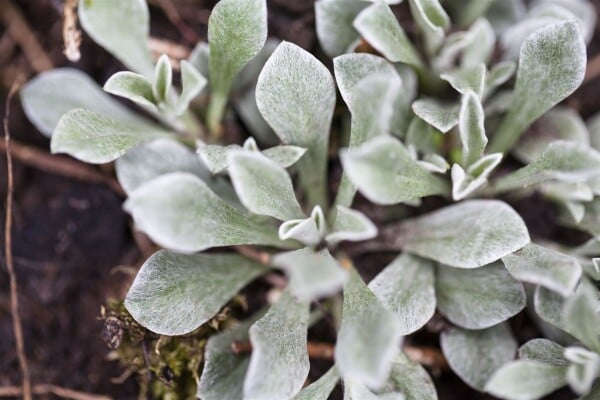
333,20
475,355
479,298
466,235
173,294
179,212
406,287
551,66
526,380
279,362
95,138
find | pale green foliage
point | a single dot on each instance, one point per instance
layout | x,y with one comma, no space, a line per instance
173,294
414,123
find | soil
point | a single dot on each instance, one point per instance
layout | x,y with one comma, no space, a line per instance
70,236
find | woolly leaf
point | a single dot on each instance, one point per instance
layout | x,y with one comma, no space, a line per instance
479,298
406,287
131,86
264,187
464,183
442,116
95,138
583,369
321,388
545,351
173,294
163,78
121,27
309,231
350,225
526,380
467,80
160,157
560,123
295,94
192,83
482,44
551,66
48,96
178,211
548,306
580,316
410,379
223,372
369,336
385,173
378,26
333,20
312,274
471,128
285,156
475,355
466,235
541,266
432,20
279,363
350,69
237,31
562,160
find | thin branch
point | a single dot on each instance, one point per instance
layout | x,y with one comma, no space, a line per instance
46,389
17,27
593,69
316,350
63,166
71,35
250,252
14,287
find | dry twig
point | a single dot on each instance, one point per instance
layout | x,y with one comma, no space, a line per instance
14,287
261,257
593,69
17,27
67,167
71,35
316,350
46,389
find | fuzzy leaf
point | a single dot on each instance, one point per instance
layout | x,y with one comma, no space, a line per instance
471,128
163,78
475,355
309,231
562,160
178,211
223,372
369,336
384,172
51,94
482,44
464,183
131,86
192,83
333,20
285,156
432,20
312,274
350,69
466,235
548,306
378,25
541,266
410,379
479,298
545,351
295,94
526,380
406,287
551,66
173,294
321,388
121,27
160,157
350,225
467,80
95,138
580,317
560,123
264,187
583,369
498,75
442,116
279,362
237,31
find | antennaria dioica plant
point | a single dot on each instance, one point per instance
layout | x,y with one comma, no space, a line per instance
432,114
